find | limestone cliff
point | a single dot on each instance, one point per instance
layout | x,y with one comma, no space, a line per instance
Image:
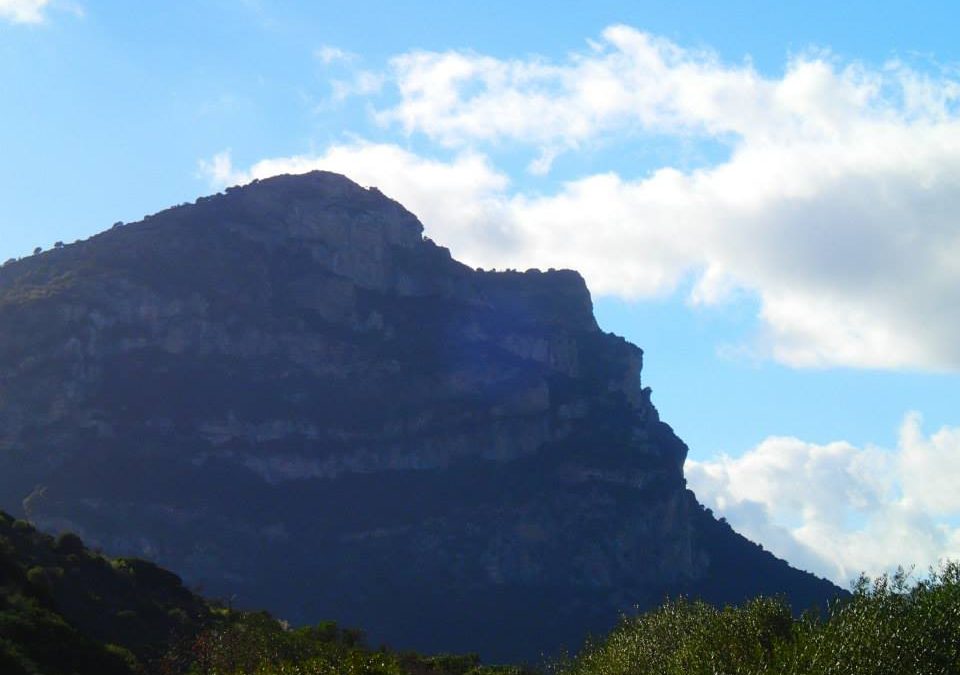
287,394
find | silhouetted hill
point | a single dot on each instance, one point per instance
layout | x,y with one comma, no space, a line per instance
289,396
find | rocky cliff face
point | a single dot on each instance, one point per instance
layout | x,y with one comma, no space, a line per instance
288,395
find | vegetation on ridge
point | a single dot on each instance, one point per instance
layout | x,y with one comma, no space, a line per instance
67,610
888,626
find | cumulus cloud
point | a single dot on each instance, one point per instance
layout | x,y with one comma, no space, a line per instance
629,80
837,509
632,81
835,205
23,11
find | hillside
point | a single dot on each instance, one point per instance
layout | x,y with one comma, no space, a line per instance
66,609
289,396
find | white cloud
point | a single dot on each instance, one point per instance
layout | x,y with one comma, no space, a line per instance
363,83
328,54
633,81
629,80
219,170
23,11
360,82
836,206
837,509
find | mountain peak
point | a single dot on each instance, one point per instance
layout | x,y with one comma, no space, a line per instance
305,202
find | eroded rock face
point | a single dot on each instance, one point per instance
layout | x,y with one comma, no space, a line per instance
287,394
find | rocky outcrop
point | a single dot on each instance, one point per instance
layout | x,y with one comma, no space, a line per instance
289,395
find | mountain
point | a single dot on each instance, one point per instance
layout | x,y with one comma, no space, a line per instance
292,398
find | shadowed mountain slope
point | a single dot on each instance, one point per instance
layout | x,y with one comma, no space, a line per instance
289,396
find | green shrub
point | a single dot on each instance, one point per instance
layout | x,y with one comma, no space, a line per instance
69,544
40,580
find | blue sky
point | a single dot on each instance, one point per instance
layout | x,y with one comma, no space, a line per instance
763,197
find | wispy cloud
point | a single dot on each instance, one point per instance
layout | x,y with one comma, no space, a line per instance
23,11
362,83
834,206
218,170
328,54
837,509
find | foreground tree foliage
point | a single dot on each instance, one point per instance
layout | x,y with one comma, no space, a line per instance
67,610
887,626
255,643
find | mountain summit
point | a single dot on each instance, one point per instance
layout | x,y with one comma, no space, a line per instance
291,397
